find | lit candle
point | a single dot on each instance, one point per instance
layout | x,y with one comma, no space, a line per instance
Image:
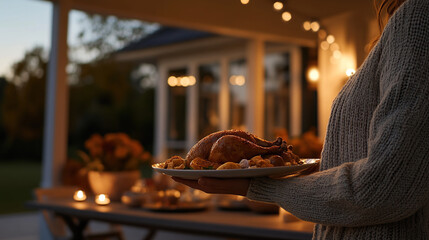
79,196
102,199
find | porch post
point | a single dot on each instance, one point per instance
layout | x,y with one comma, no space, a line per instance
161,114
295,92
56,103
224,95
255,87
192,108
56,106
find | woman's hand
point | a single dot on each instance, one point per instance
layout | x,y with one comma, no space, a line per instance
236,186
310,170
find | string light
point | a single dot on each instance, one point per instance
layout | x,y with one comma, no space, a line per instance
192,80
330,39
315,26
322,34
237,80
278,5
184,81
334,47
337,54
172,81
327,42
350,72
324,45
307,25
286,16
313,74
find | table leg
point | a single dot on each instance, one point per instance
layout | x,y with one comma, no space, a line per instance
76,226
150,234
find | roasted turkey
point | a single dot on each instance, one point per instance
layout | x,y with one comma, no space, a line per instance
235,145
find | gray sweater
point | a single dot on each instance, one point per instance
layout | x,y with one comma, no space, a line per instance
374,178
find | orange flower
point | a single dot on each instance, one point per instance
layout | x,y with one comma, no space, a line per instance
95,145
121,152
115,152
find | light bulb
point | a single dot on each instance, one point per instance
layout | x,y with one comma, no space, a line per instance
324,45
350,72
244,2
184,81
334,47
287,16
322,34
172,81
192,80
307,25
315,26
313,74
278,5
240,80
330,39
337,54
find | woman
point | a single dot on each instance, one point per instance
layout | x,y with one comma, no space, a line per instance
373,181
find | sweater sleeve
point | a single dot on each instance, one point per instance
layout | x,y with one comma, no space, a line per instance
392,182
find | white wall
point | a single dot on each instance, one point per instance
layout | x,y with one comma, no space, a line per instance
352,31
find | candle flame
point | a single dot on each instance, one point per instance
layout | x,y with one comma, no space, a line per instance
79,195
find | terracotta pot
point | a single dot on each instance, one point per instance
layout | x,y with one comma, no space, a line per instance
114,184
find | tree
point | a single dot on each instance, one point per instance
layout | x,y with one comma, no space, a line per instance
23,105
103,94
101,35
107,96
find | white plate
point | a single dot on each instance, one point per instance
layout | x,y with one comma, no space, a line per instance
273,172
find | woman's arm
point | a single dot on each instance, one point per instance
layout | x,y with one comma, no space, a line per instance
392,183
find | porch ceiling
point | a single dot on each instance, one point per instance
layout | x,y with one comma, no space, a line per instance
254,20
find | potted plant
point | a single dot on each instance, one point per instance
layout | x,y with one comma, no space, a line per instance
113,163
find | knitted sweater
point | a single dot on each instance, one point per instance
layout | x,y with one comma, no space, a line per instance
374,178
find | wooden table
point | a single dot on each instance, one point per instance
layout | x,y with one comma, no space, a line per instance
211,222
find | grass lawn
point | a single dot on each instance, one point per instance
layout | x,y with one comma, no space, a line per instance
17,181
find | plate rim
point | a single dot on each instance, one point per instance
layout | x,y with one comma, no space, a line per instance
223,172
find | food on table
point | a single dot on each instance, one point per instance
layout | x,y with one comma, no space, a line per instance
234,149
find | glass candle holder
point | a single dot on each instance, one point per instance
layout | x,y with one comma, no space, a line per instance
102,199
79,196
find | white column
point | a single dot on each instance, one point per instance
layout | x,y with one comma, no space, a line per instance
224,95
192,108
56,104
295,92
161,114
255,87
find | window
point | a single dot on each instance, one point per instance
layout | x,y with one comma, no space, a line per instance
238,94
176,128
208,96
277,78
